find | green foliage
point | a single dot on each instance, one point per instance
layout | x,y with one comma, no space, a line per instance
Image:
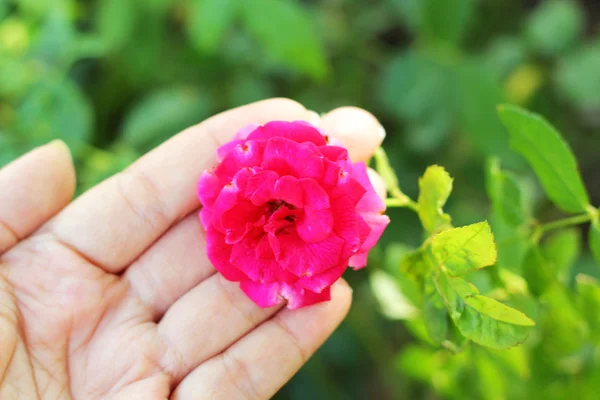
209,21
555,26
577,77
595,239
549,155
506,194
434,188
482,319
466,249
299,47
161,114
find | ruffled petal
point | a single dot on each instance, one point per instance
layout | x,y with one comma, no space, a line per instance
263,294
319,282
288,189
299,132
302,161
260,187
298,297
209,188
218,253
306,259
370,201
315,225
377,224
315,197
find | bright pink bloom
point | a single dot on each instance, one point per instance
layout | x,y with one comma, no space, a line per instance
285,213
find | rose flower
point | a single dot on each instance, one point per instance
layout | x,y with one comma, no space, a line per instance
285,213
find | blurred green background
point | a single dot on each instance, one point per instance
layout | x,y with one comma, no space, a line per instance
113,78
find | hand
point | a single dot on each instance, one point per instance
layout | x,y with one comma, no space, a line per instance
112,296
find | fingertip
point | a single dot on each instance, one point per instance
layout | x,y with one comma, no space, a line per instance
341,295
60,159
357,129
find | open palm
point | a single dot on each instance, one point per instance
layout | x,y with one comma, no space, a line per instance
112,296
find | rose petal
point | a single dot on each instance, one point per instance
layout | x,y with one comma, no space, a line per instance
299,132
377,223
301,160
315,225
263,294
306,259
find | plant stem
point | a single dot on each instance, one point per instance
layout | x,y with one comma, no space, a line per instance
563,223
393,202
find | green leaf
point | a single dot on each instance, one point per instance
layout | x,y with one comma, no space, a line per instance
480,92
482,319
208,22
588,302
511,242
554,26
162,114
414,264
506,194
562,249
115,22
466,249
410,11
435,315
566,326
435,187
549,155
56,110
445,20
393,303
289,37
536,271
415,85
595,240
54,42
577,77
428,134
504,54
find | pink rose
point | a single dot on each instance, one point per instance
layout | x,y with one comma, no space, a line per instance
285,213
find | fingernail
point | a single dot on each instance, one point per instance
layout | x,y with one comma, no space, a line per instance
61,145
381,132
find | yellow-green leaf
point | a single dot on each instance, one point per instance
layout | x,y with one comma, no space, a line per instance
595,240
435,316
414,264
435,187
549,155
482,319
562,250
588,302
537,272
466,249
506,194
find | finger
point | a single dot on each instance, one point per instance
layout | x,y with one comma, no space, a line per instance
129,211
264,360
175,264
33,188
357,129
204,322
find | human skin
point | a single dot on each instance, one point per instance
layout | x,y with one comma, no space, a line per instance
111,296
